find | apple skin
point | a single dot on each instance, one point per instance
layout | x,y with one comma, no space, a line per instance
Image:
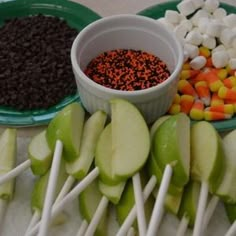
91,132
130,139
230,210
88,202
227,189
40,154
207,155
67,126
8,149
157,123
171,145
189,202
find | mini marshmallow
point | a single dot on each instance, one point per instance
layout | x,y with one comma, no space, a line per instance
202,24
220,47
180,31
208,41
187,24
227,36
219,13
198,3
198,15
186,7
172,17
232,63
234,43
211,5
192,50
220,59
186,56
230,20
194,38
166,24
198,62
231,52
214,29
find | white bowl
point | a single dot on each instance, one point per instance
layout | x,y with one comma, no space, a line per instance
127,32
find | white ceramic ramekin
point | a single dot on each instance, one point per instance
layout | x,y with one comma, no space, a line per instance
127,32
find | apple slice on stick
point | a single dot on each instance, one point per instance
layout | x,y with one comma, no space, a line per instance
188,206
79,168
231,213
8,148
207,165
171,149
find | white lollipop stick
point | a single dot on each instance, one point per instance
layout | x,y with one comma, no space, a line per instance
131,232
139,202
210,210
15,172
232,230
50,193
65,189
197,230
82,228
34,219
132,214
157,212
97,216
57,208
182,226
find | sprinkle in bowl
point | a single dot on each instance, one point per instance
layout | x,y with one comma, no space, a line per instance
129,32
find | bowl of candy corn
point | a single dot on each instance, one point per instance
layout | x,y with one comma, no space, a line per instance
206,90
130,57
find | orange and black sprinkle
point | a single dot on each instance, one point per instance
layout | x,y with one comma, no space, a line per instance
126,69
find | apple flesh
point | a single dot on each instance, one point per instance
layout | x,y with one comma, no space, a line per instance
89,200
156,124
207,155
8,149
189,202
91,132
227,188
171,145
40,154
67,126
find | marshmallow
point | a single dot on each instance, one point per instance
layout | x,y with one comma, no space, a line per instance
187,24
186,56
230,20
172,17
214,29
211,5
219,13
180,31
231,52
208,41
166,24
198,15
198,62
220,59
234,43
192,50
220,47
198,3
194,38
186,7
232,63
227,36
202,24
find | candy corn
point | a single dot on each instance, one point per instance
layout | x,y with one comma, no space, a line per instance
185,87
227,93
186,103
225,108
216,100
213,81
203,92
189,73
174,109
213,116
204,51
197,110
230,82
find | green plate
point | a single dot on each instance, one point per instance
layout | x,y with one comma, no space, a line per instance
158,11
76,15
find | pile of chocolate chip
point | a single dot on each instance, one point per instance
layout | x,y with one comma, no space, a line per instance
35,66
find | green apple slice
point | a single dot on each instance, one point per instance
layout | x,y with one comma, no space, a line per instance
89,200
8,148
112,192
189,202
40,154
103,157
91,132
127,202
227,188
207,155
230,211
157,123
130,139
154,169
67,126
171,145
40,188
